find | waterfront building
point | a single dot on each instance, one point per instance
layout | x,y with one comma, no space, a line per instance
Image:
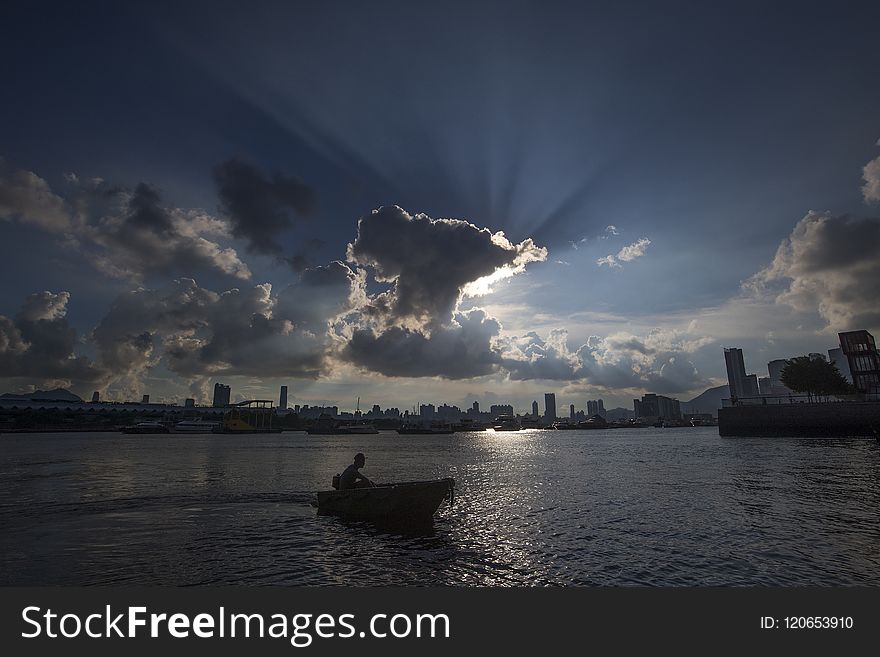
775,367
497,410
221,395
535,409
740,383
96,397
652,406
751,385
282,400
600,407
426,411
189,402
549,406
592,407
571,411
837,358
864,362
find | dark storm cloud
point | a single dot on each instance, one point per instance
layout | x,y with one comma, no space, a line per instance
124,233
460,350
38,345
196,332
431,261
301,261
146,212
145,236
829,264
260,207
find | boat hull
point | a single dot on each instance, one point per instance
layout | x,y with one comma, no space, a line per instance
145,430
409,502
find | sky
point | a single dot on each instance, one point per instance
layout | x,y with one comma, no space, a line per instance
410,203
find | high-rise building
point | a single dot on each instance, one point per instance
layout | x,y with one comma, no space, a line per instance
189,402
549,406
221,395
476,407
600,407
571,411
535,409
145,399
837,358
657,406
96,397
775,367
741,384
426,411
751,383
864,361
282,401
496,410
592,407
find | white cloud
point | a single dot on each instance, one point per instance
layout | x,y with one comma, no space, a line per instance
627,254
829,265
871,175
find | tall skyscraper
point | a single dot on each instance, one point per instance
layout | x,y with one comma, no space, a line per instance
840,361
549,406
476,407
592,408
741,384
96,397
221,395
535,409
600,408
571,411
282,401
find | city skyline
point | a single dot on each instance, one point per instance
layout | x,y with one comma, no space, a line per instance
567,213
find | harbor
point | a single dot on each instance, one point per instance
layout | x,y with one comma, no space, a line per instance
623,507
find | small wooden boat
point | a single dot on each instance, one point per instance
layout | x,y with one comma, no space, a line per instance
411,501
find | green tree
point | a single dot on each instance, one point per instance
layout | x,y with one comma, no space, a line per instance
814,376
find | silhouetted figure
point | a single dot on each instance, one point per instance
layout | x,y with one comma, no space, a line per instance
351,478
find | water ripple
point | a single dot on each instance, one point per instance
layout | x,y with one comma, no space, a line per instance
621,508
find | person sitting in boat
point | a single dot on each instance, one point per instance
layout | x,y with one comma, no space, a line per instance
351,478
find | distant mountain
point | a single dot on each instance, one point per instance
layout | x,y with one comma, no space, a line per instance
619,414
707,402
57,395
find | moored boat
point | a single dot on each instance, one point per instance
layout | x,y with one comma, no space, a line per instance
146,427
425,430
506,423
359,428
195,426
593,422
412,501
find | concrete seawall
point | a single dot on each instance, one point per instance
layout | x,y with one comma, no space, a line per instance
836,419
